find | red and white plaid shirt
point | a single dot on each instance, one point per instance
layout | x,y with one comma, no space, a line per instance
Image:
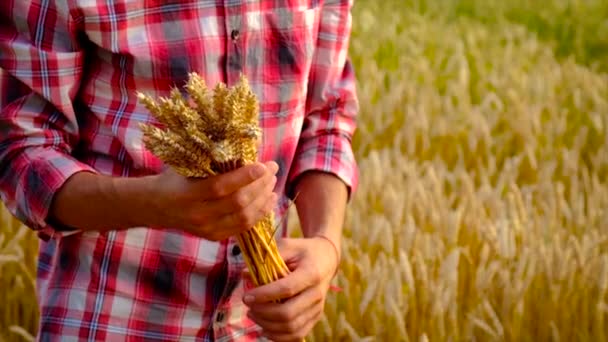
68,80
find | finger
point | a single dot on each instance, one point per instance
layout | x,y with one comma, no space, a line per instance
285,327
244,197
272,166
286,287
296,335
227,183
236,222
291,309
224,219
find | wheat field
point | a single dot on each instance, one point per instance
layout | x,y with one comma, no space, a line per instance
482,213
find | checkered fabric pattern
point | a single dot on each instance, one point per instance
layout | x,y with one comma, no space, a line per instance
69,72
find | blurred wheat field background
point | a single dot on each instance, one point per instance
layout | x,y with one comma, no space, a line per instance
482,213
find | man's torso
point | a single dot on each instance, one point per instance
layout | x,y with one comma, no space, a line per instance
143,284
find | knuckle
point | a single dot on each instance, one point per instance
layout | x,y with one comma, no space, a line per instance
318,293
293,336
292,327
315,276
185,197
240,200
253,172
245,219
193,217
216,189
287,290
286,315
299,335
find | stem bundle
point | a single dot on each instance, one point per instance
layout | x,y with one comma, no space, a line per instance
214,132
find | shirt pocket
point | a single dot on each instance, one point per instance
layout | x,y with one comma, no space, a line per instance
279,51
156,43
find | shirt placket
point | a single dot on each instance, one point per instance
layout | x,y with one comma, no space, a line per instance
234,257
234,46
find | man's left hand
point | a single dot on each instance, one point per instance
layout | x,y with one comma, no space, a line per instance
313,263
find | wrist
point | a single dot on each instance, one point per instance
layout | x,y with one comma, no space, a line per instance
335,246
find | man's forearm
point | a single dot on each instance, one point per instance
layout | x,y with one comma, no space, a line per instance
321,204
89,201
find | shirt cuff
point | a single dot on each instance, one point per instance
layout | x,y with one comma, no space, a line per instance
48,171
331,153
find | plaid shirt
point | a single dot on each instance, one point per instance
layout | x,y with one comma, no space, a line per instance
69,74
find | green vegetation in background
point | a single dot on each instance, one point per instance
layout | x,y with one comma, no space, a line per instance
452,49
577,28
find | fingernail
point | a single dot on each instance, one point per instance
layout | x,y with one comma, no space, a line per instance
274,167
248,299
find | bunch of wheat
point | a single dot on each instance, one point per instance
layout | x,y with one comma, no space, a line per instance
214,133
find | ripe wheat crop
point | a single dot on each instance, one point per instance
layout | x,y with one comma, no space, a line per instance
482,213
216,134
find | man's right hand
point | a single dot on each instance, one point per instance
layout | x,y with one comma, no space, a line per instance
213,208
217,207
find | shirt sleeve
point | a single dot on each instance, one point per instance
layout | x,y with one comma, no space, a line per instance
40,70
326,139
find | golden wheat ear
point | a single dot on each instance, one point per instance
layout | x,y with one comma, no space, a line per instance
216,132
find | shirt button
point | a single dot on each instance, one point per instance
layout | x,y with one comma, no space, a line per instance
219,317
236,250
235,34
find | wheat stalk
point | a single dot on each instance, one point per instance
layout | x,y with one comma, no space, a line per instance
214,133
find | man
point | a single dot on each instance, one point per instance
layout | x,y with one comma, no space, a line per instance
129,249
